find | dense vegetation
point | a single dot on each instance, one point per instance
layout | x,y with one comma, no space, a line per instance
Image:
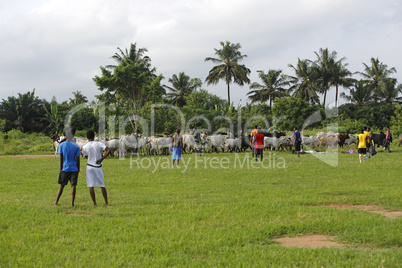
131,91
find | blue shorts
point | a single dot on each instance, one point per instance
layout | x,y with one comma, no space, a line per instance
176,153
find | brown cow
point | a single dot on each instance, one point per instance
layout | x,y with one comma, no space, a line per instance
400,140
329,141
342,138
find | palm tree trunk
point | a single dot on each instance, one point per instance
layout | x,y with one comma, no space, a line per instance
336,96
325,96
228,95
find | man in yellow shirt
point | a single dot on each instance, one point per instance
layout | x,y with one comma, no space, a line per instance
361,146
367,133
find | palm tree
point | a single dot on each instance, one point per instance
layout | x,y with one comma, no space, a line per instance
341,78
272,87
378,72
135,55
132,81
182,87
302,83
228,67
360,93
388,90
22,113
323,68
79,98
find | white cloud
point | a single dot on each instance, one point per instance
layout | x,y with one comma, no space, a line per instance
58,46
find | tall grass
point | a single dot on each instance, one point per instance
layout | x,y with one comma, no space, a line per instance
201,215
15,142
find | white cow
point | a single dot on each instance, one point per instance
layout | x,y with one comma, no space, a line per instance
309,141
323,134
351,139
164,145
216,141
232,144
128,143
203,142
188,143
56,144
272,142
81,142
151,145
113,144
286,142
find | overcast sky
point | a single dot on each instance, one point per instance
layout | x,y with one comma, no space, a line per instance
57,46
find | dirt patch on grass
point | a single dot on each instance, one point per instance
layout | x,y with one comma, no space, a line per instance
309,241
370,208
28,156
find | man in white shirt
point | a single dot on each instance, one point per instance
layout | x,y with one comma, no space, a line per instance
92,150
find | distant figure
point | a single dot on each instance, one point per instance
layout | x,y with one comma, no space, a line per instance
252,140
258,144
94,172
197,139
388,140
56,140
367,133
69,167
177,145
361,146
55,136
297,141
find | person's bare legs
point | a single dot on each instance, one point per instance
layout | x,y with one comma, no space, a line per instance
92,193
104,192
59,193
73,191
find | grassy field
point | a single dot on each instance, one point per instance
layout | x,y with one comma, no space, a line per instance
218,210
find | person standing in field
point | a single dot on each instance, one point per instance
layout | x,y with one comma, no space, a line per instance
253,133
361,146
92,150
197,139
367,133
69,166
297,141
258,144
388,140
177,145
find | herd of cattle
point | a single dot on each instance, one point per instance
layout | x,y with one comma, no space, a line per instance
222,142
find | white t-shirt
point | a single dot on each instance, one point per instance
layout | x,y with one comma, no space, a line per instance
93,150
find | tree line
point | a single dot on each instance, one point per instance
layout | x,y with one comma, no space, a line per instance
131,88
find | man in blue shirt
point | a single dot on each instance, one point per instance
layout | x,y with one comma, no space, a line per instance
69,166
297,141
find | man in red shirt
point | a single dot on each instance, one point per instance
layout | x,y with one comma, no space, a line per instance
253,133
258,144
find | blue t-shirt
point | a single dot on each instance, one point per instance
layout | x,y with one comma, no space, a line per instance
69,150
297,136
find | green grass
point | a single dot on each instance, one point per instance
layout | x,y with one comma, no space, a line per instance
202,216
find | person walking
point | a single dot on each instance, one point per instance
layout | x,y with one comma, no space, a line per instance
259,144
94,173
297,141
253,133
197,139
361,146
388,140
366,131
177,145
69,166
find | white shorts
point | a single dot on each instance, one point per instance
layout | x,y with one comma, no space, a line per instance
95,177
